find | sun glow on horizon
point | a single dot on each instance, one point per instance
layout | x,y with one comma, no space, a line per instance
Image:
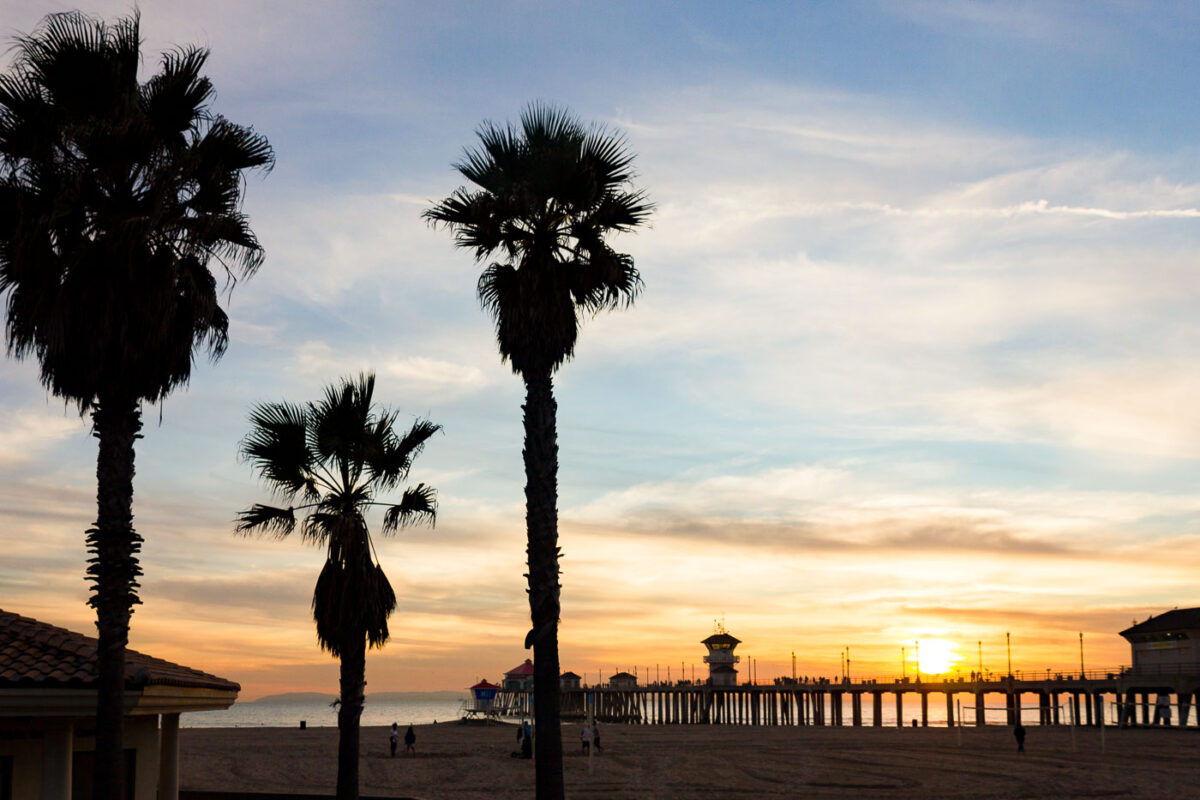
937,656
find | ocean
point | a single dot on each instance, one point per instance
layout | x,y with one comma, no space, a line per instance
321,714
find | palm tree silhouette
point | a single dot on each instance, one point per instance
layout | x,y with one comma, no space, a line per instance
115,198
339,455
547,195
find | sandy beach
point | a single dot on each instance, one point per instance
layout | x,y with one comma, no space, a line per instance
667,762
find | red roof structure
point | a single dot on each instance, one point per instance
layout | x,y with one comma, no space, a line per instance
38,655
485,685
522,671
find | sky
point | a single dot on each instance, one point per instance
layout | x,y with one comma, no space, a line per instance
917,359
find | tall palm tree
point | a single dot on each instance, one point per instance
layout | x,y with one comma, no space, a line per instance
115,197
545,196
338,456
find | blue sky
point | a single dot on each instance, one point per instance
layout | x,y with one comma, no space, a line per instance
917,355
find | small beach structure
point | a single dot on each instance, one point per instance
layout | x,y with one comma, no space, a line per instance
720,658
48,709
569,682
519,679
623,680
483,701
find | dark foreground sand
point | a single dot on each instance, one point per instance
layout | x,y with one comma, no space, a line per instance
461,761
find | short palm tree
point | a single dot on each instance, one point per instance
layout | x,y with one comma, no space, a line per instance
115,198
338,456
544,198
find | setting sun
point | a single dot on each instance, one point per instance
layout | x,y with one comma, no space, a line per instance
936,656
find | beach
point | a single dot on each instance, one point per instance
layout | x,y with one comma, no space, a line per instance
667,762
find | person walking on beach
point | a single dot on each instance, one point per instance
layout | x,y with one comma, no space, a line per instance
410,739
395,738
596,736
1019,733
585,737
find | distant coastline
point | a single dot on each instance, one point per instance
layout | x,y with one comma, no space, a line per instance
385,697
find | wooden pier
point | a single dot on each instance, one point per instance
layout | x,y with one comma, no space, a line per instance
1080,699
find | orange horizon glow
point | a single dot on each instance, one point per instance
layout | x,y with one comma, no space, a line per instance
293,663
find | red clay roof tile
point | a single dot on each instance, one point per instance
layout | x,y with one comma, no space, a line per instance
34,653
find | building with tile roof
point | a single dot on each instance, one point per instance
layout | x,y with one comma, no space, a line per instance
48,706
519,678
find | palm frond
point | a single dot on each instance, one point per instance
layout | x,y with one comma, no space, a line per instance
418,505
391,462
277,448
266,520
320,528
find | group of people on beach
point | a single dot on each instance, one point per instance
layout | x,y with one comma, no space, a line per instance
590,737
524,740
410,739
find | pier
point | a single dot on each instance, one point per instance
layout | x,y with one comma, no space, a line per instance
1088,699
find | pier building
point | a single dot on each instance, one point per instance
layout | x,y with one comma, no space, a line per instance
520,678
623,680
720,658
1167,642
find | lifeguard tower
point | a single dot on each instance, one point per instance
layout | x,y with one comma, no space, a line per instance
483,701
720,658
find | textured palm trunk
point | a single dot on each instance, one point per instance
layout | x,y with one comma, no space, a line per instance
113,570
353,680
541,520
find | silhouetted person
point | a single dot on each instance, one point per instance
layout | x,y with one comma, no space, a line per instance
596,736
1019,734
410,739
395,738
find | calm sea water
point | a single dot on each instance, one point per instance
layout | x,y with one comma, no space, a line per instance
416,712
321,714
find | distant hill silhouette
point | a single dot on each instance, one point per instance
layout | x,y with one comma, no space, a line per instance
329,697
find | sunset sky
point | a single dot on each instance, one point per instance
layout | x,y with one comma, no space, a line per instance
918,356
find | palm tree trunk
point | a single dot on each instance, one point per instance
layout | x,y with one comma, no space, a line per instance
353,679
113,570
541,520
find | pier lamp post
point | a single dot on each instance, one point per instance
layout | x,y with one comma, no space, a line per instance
1008,647
903,663
1081,670
917,656
980,643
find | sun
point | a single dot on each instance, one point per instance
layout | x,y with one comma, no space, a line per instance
937,656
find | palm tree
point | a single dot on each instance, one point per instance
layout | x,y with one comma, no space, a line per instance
544,199
338,455
115,197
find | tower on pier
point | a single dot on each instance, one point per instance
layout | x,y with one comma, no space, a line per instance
720,658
